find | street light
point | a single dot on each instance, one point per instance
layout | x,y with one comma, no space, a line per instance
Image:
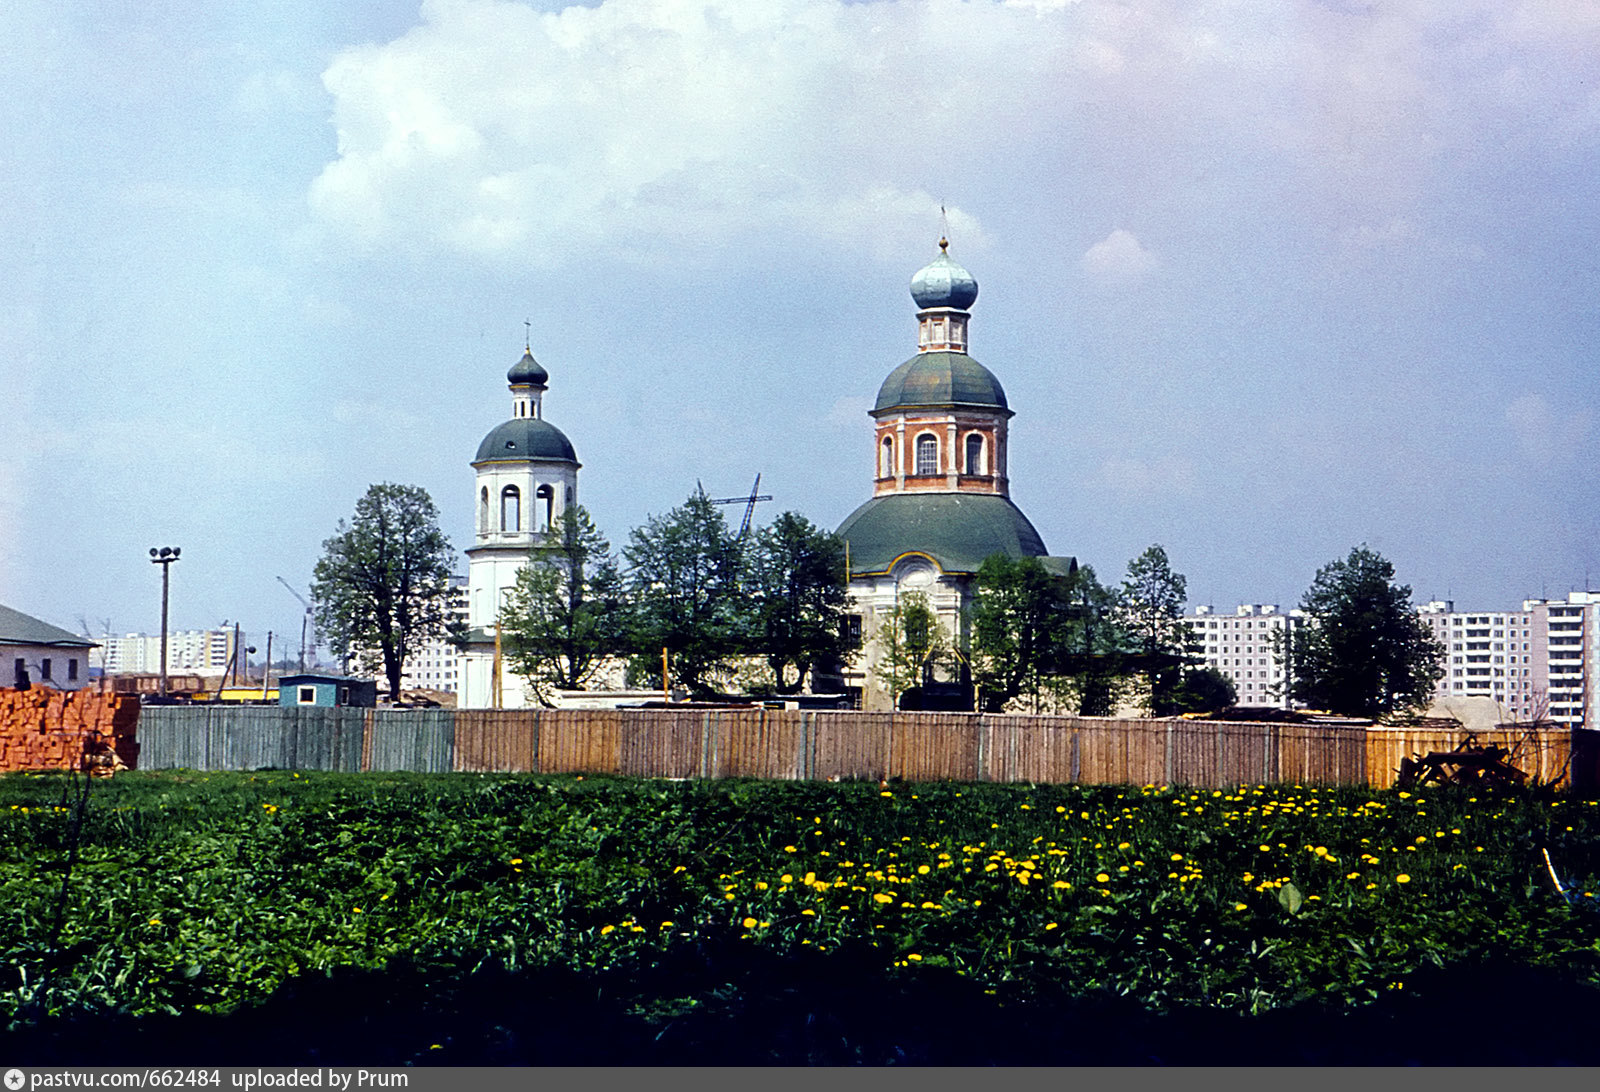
164,557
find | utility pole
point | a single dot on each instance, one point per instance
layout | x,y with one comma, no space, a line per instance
164,557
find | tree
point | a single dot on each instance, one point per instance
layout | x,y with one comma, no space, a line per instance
1023,622
1364,651
797,590
910,638
684,572
565,613
1201,690
1151,608
1096,649
383,584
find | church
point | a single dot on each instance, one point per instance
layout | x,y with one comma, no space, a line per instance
526,474
941,495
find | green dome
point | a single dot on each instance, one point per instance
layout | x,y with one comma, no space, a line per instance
526,438
941,378
943,283
958,530
528,372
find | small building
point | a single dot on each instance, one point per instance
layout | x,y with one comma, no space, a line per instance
327,691
35,653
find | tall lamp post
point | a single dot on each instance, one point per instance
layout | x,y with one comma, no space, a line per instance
164,557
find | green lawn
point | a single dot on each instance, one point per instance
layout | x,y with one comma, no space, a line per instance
460,918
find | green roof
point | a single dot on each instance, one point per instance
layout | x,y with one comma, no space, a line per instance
941,378
526,438
957,530
17,628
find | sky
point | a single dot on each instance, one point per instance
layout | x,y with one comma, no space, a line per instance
1262,282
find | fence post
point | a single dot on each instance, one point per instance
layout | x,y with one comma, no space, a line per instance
1167,762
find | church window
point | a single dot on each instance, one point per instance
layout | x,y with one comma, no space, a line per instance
974,453
544,506
927,454
886,458
510,509
483,509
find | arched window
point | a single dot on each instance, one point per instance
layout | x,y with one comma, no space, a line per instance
510,509
927,454
544,507
886,458
483,509
974,453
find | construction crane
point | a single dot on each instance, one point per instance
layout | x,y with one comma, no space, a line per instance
748,502
305,622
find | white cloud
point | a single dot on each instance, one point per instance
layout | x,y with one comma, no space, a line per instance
655,128
1544,435
633,126
1141,477
1119,257
850,412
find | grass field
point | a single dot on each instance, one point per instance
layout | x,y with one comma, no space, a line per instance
377,919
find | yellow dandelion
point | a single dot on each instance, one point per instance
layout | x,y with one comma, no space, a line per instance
880,898
1240,906
1402,878
606,929
788,849
748,923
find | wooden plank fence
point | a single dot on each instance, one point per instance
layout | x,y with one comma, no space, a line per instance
805,745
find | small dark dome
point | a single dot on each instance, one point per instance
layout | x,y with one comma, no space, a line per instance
943,283
528,371
523,439
941,378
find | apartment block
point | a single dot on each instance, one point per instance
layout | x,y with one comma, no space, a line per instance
436,664
1537,662
1243,647
189,651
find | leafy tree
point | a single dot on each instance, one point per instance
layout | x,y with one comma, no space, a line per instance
1364,651
1023,621
1201,690
1094,672
565,613
909,639
1151,608
382,586
684,573
797,590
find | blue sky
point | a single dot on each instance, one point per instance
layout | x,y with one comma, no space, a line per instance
1262,282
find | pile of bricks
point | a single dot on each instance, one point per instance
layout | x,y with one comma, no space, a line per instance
44,729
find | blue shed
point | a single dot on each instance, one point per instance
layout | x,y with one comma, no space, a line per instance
326,691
